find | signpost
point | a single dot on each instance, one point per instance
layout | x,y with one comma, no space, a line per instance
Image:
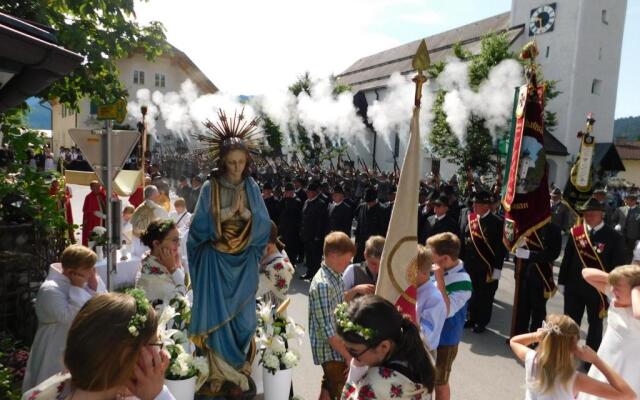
107,150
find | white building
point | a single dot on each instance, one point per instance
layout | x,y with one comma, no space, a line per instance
580,44
165,74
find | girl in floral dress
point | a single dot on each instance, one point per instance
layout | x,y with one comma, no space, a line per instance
162,276
276,271
389,360
111,353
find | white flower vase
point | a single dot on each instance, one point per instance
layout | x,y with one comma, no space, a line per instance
184,389
100,253
277,386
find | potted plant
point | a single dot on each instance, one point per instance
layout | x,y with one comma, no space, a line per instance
186,372
275,333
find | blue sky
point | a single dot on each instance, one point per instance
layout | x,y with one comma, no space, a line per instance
256,46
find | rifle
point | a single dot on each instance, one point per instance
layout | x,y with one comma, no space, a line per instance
362,163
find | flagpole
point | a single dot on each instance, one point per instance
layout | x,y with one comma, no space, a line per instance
517,270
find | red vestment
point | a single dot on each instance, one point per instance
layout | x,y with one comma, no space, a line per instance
92,203
137,197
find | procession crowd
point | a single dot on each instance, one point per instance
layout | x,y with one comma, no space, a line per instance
334,221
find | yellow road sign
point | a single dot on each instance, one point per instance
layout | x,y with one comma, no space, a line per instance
116,111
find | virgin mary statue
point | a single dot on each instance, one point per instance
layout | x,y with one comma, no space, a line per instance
229,231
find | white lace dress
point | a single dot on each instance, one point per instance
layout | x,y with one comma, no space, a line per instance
620,347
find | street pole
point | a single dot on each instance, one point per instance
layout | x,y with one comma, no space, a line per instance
111,249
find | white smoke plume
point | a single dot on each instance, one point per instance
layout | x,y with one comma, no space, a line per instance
492,101
392,113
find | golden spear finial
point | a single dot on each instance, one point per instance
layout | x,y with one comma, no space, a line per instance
420,63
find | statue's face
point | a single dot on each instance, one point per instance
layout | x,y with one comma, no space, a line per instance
235,163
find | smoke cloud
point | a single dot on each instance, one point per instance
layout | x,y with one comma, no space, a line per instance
334,117
492,101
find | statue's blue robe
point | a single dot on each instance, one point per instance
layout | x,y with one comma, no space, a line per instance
224,285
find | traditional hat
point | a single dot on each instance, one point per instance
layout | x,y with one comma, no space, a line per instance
337,189
370,194
288,187
313,185
441,200
231,131
631,195
556,192
599,191
591,205
267,186
482,197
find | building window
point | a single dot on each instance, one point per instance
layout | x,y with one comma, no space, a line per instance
596,86
160,80
547,52
93,108
138,77
604,17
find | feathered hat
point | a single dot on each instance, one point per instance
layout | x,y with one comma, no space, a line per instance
226,132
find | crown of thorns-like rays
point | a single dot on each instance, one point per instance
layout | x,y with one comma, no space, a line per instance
229,131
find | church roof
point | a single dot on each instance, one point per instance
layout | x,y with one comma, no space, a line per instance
372,72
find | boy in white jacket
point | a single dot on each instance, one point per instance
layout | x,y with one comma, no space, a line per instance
69,285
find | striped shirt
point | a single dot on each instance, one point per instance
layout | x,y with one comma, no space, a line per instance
458,287
325,293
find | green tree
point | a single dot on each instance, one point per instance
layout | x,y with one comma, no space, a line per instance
102,32
478,151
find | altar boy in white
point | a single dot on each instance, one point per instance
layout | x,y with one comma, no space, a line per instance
69,285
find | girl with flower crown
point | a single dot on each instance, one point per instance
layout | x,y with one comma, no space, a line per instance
389,358
111,354
620,346
161,275
550,370
276,271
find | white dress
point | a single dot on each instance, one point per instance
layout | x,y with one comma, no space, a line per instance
158,284
56,306
559,392
620,348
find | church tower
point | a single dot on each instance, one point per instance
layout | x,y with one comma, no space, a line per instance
580,43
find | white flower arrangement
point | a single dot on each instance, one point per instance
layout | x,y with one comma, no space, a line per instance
274,335
182,364
98,236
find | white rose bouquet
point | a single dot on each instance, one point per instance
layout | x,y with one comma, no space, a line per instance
274,335
98,236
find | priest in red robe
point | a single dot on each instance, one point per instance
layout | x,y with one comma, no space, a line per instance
94,210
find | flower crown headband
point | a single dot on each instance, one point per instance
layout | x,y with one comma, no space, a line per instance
550,328
139,318
343,321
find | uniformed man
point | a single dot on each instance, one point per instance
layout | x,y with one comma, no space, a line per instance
440,221
561,215
592,244
483,258
626,220
273,204
340,213
313,229
372,218
289,223
600,194
536,280
360,279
